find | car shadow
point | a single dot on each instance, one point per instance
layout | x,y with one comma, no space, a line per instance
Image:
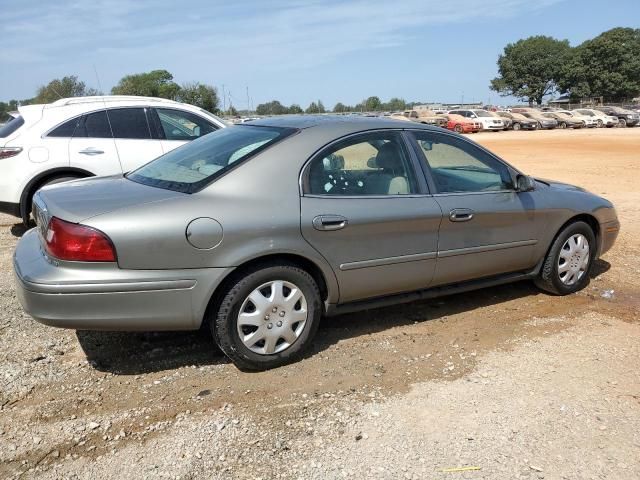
133,353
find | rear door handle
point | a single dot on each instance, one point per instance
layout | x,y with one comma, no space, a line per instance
329,222
461,214
91,151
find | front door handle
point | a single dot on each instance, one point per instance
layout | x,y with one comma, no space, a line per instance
329,222
91,151
461,214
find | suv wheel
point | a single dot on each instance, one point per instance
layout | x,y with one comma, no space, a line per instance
622,122
600,124
27,214
268,318
516,126
567,265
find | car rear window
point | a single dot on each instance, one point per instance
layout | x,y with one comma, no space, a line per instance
11,126
195,165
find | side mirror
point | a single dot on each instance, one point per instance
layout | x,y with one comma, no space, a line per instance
525,183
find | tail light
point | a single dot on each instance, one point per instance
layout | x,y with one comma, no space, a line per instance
8,152
75,242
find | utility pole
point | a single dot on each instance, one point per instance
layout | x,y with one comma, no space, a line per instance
224,99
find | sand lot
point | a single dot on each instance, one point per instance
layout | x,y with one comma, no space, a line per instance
507,382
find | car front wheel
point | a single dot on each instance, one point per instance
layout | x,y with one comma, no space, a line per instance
567,265
268,317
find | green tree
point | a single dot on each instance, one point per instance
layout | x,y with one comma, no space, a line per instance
200,95
157,83
372,104
295,109
312,108
274,107
607,66
395,104
339,108
64,87
321,108
530,68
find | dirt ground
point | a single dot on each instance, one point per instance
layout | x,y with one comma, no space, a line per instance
504,382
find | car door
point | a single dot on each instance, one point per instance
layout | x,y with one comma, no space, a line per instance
488,228
370,215
175,127
132,136
92,147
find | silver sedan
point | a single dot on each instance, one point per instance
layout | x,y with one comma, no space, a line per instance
258,230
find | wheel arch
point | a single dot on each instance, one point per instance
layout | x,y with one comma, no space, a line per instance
292,259
581,217
36,182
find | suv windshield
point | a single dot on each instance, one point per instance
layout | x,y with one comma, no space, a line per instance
482,113
11,126
195,165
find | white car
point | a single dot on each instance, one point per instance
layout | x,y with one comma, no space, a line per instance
86,136
488,121
601,119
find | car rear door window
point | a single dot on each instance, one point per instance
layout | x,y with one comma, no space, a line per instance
92,125
11,126
129,123
457,166
66,129
181,125
369,164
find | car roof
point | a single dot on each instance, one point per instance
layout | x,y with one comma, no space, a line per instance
346,123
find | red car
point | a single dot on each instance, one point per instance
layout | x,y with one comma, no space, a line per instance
461,124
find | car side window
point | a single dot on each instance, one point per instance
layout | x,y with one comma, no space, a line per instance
369,164
181,125
129,123
66,129
93,125
458,166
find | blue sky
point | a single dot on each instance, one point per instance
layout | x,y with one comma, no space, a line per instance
295,51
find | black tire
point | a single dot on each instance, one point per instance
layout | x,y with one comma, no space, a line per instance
224,324
549,279
562,125
458,128
516,126
27,214
600,124
622,122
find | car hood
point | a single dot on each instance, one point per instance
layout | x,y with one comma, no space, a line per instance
559,185
79,200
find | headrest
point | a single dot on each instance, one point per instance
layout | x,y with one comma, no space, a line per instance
333,162
388,157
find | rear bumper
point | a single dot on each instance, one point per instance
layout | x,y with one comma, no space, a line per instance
103,297
10,208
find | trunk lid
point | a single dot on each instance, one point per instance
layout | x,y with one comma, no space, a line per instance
80,200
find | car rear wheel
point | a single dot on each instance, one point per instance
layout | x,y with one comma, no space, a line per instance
562,125
600,124
567,265
268,317
516,126
622,122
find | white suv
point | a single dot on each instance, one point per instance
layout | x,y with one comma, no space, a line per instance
85,136
488,121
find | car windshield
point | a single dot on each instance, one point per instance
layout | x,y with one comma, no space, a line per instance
11,126
482,113
195,165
